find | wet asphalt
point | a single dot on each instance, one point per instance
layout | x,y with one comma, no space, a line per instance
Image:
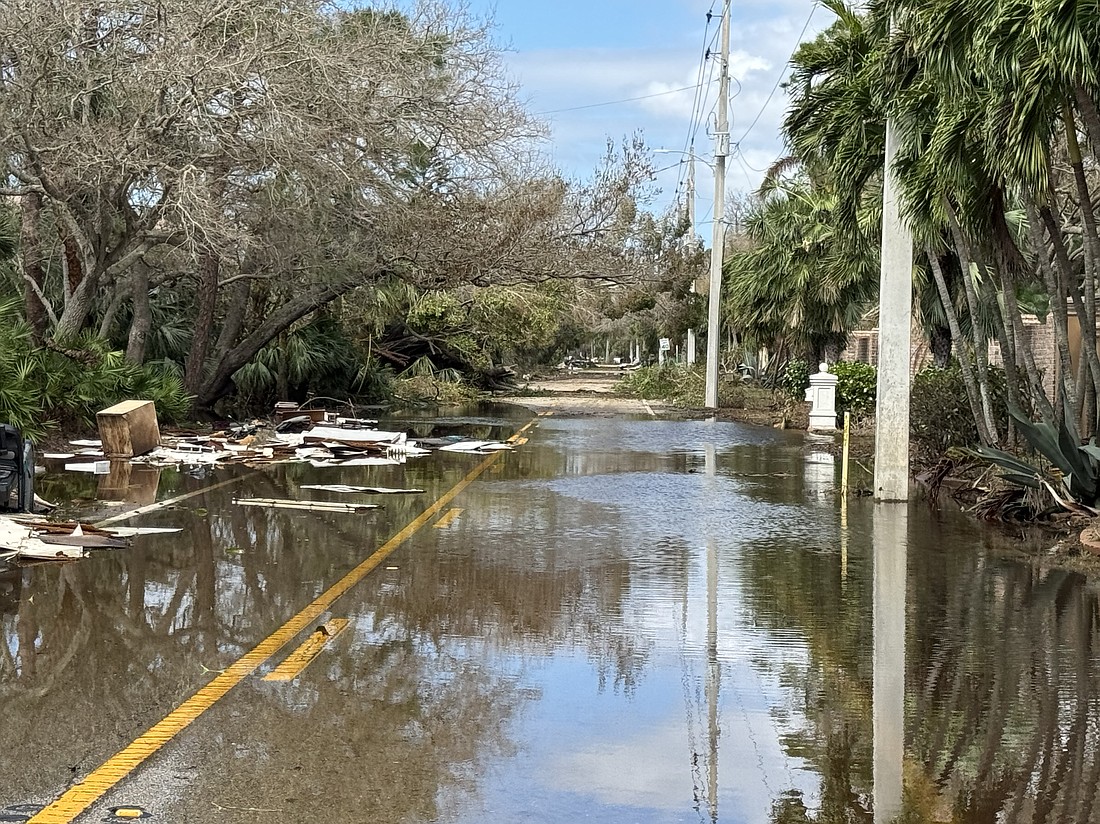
623,620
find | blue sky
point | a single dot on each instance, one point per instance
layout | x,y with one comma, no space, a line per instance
573,53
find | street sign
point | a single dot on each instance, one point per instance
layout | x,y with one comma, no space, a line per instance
666,344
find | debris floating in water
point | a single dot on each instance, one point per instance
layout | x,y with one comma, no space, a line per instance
313,506
372,490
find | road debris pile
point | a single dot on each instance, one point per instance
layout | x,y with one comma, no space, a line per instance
343,442
319,438
39,540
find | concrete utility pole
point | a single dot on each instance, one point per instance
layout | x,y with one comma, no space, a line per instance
691,240
894,321
721,150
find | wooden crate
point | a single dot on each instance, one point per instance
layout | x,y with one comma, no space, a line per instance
129,429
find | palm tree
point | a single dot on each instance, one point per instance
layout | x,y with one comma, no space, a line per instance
803,285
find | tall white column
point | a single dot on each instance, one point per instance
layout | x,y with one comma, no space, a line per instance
895,318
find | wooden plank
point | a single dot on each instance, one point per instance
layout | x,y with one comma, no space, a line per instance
314,506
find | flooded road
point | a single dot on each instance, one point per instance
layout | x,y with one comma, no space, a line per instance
620,621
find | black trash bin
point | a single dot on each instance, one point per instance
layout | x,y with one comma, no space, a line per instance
16,470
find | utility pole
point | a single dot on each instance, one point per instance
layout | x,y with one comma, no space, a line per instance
895,319
721,150
691,241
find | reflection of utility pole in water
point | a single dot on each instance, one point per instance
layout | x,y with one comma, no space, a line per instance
714,674
891,546
713,671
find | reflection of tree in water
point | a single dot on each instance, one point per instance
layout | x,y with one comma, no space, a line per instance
382,732
1001,683
525,600
839,802
1004,690
788,587
112,643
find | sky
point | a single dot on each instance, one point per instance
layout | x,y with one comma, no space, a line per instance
569,54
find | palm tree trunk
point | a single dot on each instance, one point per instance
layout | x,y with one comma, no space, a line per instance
1023,350
1057,290
1090,114
1002,331
981,349
1069,279
961,352
1091,238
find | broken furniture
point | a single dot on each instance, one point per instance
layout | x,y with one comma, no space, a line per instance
129,429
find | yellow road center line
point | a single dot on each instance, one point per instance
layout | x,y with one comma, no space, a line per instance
302,657
98,782
447,517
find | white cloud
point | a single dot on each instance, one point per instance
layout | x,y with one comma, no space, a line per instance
563,85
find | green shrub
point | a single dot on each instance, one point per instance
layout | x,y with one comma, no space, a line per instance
796,378
939,413
856,388
43,388
680,385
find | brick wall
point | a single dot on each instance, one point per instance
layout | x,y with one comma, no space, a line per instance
863,348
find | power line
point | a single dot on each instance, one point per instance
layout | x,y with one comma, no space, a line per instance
782,74
744,170
616,102
700,98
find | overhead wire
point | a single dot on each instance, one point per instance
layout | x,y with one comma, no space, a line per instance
779,80
699,100
616,102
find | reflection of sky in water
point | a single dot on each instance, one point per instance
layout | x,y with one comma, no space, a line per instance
598,755
592,747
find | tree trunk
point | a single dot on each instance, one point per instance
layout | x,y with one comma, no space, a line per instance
1023,349
142,322
981,349
1002,330
209,269
282,372
961,353
120,293
1057,290
1090,114
234,319
1091,238
217,385
74,267
80,287
1069,279
30,242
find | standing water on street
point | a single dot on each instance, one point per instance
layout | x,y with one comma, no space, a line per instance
620,620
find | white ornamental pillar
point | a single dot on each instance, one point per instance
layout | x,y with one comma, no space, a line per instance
822,394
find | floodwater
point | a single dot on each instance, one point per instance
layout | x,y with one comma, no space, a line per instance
624,621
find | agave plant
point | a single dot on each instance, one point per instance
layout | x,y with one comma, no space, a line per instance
1073,479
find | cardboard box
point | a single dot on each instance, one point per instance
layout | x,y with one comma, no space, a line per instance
129,429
